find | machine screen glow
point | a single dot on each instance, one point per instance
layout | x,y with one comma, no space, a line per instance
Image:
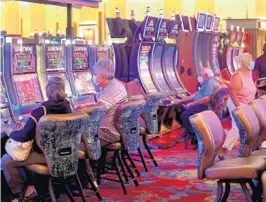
186,24
24,59
103,53
162,31
173,30
201,21
144,67
28,89
149,30
83,83
80,57
209,23
55,57
216,24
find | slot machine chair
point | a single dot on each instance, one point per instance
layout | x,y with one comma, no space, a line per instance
91,141
126,123
60,151
211,135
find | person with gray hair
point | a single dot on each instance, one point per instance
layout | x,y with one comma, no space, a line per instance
199,101
113,93
56,104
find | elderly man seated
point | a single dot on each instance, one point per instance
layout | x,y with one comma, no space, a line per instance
112,93
199,101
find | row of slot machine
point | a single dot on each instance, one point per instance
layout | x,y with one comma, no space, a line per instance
26,69
235,47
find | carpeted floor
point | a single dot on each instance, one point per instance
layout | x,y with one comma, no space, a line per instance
174,180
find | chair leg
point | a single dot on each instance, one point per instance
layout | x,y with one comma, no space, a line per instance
68,192
219,191
100,166
130,172
142,160
226,192
118,172
144,139
132,163
256,191
246,191
122,167
80,188
51,190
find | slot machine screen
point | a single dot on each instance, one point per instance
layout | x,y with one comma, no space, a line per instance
150,27
24,59
144,60
63,76
83,83
209,23
28,89
4,97
239,38
185,23
80,57
55,57
233,36
201,21
173,29
103,52
162,29
216,24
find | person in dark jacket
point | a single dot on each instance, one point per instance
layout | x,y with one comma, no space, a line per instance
56,104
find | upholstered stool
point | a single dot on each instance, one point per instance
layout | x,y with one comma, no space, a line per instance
211,136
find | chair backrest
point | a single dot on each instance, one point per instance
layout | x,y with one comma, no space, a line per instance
58,136
127,123
134,88
210,135
259,107
249,128
91,135
218,101
150,114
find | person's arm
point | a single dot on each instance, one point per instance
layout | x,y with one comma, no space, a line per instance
185,100
234,88
255,72
28,132
201,101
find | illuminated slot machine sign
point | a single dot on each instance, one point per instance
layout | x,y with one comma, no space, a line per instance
103,53
55,57
186,27
150,27
24,59
162,31
209,21
232,37
144,59
3,95
173,29
201,21
216,24
239,38
80,57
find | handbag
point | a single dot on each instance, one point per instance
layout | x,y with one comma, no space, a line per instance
19,151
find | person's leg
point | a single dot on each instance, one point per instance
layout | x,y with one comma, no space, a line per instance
108,136
185,118
12,173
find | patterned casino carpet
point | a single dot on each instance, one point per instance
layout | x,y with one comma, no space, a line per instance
174,180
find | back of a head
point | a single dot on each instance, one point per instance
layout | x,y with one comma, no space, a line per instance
245,59
55,89
104,68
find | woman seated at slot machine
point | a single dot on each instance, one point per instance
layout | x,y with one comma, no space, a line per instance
112,93
199,101
56,104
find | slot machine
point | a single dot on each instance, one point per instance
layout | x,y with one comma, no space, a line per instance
21,79
170,59
52,63
214,60
79,74
198,41
230,51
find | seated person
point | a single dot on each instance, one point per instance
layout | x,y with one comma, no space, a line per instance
56,104
113,93
199,101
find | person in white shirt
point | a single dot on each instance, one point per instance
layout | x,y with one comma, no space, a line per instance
112,93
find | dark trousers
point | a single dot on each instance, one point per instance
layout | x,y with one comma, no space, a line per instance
185,118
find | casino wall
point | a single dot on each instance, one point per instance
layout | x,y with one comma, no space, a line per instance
22,18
